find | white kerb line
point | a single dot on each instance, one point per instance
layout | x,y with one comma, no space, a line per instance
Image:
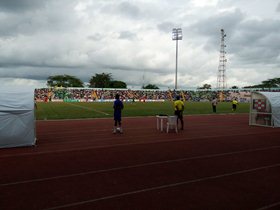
89,109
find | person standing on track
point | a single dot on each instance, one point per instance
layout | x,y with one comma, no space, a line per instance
118,107
179,108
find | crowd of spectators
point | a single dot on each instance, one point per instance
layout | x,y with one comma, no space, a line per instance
98,94
84,94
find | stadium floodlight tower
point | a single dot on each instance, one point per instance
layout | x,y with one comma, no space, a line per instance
221,79
176,35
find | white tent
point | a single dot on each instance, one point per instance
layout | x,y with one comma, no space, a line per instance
265,109
17,118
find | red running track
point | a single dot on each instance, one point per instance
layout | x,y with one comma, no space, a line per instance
217,162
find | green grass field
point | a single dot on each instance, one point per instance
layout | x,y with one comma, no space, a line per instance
79,110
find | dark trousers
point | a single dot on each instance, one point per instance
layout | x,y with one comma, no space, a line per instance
214,108
179,115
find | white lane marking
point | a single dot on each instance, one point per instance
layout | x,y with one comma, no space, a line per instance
141,165
163,187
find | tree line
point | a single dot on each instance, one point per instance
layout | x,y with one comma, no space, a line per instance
270,83
103,80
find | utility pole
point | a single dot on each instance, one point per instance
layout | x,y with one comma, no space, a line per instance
221,79
176,35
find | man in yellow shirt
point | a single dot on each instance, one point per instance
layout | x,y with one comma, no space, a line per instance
234,104
179,108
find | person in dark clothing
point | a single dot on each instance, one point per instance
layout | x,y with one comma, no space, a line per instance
118,107
179,109
214,104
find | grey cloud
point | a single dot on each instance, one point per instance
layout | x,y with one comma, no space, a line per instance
42,73
27,73
13,25
81,38
166,26
130,69
137,10
251,41
257,41
96,37
278,8
211,26
39,64
129,9
125,8
36,19
127,35
20,5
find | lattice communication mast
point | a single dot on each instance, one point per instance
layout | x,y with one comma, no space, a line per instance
221,80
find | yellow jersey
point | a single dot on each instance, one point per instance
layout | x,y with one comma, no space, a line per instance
234,102
179,105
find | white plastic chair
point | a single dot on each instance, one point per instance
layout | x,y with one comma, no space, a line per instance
172,123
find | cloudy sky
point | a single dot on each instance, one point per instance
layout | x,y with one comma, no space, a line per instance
132,40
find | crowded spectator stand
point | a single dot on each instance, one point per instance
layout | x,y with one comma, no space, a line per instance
60,94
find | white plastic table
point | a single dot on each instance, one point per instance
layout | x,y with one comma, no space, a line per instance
160,119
